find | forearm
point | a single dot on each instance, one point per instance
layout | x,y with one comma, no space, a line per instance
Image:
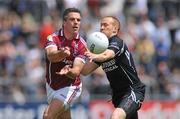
88,68
108,54
55,55
73,73
76,68
102,57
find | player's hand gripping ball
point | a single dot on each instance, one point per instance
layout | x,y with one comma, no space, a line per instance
97,42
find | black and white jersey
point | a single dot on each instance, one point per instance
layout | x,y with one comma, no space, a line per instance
120,70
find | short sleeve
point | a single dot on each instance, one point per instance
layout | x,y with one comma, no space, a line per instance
116,45
50,42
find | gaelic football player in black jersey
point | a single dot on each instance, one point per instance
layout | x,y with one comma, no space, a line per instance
127,90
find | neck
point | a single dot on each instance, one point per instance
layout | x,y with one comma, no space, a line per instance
112,35
68,36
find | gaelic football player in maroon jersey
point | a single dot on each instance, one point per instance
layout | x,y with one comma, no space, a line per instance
64,61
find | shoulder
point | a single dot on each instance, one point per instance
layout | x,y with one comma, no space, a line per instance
53,36
52,40
115,39
116,44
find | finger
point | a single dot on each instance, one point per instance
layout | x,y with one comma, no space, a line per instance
91,60
67,48
58,73
62,48
65,69
88,54
62,72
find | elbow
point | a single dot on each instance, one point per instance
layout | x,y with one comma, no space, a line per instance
73,74
54,60
51,59
84,73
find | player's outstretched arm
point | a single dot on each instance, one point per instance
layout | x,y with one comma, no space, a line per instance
88,68
106,55
55,55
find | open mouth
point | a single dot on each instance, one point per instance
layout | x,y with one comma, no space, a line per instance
75,28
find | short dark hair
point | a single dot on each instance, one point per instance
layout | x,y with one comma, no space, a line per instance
69,10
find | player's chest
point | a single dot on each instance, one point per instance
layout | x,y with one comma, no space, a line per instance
72,44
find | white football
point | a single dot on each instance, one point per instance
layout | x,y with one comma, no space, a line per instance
97,42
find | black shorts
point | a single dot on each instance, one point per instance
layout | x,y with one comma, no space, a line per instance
130,103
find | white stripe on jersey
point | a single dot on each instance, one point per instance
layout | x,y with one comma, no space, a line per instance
122,50
83,41
52,45
50,73
126,74
81,59
134,97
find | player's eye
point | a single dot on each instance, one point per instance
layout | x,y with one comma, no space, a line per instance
71,19
75,19
104,25
78,20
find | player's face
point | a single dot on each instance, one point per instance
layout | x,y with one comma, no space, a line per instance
72,23
107,26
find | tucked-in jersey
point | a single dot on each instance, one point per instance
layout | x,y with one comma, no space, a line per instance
77,48
120,70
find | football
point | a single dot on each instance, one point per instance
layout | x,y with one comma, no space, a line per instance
97,42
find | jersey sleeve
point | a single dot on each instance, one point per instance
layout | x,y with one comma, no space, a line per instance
50,42
116,45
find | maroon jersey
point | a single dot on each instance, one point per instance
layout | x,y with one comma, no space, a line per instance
77,48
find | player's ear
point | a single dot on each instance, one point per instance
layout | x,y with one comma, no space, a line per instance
115,29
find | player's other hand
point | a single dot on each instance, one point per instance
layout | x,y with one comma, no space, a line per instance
64,70
91,56
66,51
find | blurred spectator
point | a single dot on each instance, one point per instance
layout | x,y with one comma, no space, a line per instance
99,82
34,71
94,7
163,74
145,51
7,51
130,35
163,40
17,95
73,3
174,85
174,25
177,37
45,29
149,81
146,27
112,7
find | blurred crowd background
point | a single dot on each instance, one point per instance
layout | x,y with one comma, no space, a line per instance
151,29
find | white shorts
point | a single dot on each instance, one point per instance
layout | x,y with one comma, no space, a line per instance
67,94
